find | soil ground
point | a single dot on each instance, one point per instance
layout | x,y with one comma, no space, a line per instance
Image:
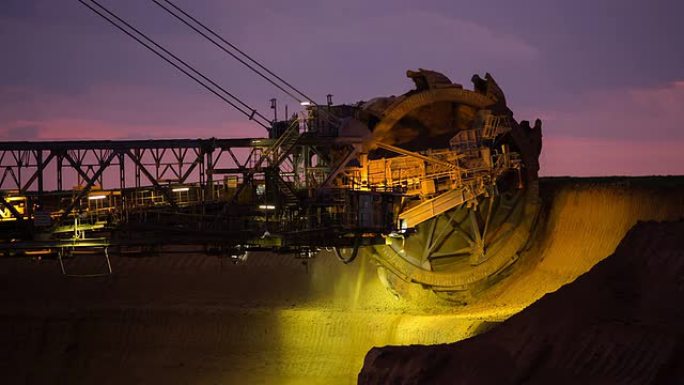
191,319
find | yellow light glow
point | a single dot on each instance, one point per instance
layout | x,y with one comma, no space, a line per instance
181,189
267,207
96,197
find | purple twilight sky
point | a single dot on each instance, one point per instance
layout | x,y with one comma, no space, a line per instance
606,76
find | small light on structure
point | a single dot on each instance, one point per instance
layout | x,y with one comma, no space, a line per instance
267,207
181,189
305,103
96,197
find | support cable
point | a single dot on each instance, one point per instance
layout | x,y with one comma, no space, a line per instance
189,71
212,36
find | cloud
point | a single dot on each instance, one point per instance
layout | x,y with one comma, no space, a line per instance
604,157
627,131
115,111
75,69
650,114
365,56
87,129
28,132
72,88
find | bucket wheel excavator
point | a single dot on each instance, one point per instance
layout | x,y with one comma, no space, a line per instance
439,184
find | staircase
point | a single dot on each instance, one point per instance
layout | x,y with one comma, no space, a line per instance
289,198
281,148
285,143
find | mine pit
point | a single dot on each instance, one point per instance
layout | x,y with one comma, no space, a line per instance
191,318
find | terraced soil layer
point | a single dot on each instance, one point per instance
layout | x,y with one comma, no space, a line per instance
190,319
620,323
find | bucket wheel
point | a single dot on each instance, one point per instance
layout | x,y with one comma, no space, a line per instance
463,250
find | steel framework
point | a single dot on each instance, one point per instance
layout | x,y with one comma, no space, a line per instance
214,190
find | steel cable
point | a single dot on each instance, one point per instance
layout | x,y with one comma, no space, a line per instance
214,36
148,43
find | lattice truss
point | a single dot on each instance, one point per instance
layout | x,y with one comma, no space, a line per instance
82,167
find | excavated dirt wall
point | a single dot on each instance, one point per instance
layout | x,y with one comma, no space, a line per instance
620,323
191,319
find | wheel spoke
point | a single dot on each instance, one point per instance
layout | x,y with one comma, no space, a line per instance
447,229
489,217
431,233
475,227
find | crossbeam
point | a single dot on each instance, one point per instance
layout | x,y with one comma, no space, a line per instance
428,159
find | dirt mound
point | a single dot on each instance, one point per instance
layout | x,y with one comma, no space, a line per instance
620,323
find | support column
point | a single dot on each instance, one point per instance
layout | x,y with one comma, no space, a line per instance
60,159
136,154
122,172
210,174
39,159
